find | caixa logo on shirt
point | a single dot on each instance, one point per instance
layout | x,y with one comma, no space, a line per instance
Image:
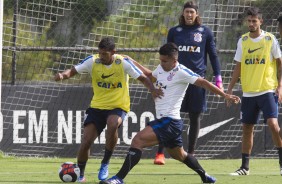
189,48
109,85
255,61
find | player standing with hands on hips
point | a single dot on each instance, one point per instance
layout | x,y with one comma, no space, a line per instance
258,64
111,101
194,41
173,78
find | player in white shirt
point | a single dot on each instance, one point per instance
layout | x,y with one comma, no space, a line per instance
173,78
174,84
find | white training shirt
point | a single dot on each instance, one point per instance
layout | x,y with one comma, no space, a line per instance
174,84
275,53
86,65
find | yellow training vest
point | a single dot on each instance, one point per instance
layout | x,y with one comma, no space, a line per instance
258,70
110,85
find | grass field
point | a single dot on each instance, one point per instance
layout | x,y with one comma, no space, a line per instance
45,170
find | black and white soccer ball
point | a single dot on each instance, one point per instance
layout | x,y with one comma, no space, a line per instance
69,172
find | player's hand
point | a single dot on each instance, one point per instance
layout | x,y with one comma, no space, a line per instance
229,92
157,93
230,99
278,92
58,77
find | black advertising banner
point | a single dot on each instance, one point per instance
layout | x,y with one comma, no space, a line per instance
53,126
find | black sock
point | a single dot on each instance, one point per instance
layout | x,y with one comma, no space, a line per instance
81,166
245,161
280,156
132,158
107,156
161,149
193,131
193,163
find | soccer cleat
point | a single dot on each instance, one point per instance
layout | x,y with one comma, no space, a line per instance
112,180
81,179
281,170
209,179
103,172
240,172
159,159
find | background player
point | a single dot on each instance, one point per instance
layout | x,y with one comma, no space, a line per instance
258,64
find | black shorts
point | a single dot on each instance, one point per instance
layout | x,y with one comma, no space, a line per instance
251,107
194,100
99,117
168,131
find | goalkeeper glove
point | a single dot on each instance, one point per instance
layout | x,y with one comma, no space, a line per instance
218,81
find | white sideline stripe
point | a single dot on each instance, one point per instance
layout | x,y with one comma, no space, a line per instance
208,129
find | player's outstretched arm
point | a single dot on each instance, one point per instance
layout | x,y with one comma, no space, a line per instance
65,74
145,70
201,82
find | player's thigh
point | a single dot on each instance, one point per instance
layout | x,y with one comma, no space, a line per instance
268,104
115,118
249,110
145,138
97,117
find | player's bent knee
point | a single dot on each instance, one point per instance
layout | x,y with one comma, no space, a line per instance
85,144
112,126
274,128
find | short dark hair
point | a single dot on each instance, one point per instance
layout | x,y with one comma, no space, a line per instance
169,49
254,11
107,43
190,4
279,19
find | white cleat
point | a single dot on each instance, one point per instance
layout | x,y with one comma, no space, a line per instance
240,172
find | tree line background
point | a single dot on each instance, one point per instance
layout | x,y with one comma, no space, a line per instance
134,27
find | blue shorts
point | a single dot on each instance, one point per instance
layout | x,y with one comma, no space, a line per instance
168,131
251,107
194,100
99,117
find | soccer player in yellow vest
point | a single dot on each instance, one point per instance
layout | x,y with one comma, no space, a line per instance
258,58
111,101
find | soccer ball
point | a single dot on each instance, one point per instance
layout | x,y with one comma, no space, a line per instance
69,172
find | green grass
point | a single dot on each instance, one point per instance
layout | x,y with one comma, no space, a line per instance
45,170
